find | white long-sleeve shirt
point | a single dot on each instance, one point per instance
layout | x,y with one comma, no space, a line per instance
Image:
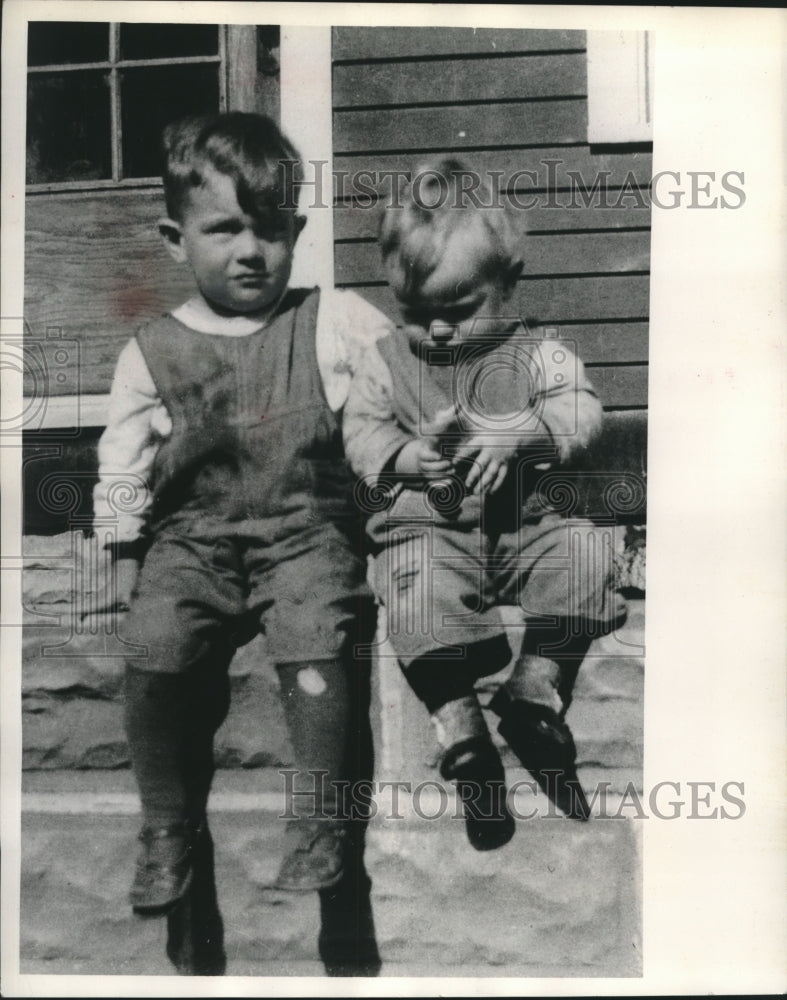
565,409
138,420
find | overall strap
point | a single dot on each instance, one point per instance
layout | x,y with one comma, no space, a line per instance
417,394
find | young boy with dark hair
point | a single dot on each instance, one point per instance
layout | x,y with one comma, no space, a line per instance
454,416
228,410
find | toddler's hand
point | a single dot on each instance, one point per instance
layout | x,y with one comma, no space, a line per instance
490,458
421,458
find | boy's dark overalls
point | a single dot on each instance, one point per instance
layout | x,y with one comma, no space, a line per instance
252,528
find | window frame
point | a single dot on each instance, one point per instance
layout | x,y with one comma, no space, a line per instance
620,87
230,42
244,92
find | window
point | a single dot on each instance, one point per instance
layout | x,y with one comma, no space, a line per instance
99,94
620,86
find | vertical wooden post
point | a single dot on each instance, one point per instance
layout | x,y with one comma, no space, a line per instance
306,119
241,67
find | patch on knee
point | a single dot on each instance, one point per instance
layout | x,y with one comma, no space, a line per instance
405,578
311,681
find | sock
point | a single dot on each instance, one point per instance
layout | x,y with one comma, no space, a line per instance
458,721
210,702
547,667
536,679
170,723
317,711
156,726
435,682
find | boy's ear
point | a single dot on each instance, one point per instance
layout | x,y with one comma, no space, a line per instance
172,237
300,222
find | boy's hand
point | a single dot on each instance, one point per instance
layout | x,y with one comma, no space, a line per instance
421,458
118,588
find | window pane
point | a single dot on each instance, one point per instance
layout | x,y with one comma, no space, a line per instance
68,127
54,42
156,41
152,97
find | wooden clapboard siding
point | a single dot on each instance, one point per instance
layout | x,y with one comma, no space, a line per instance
95,268
460,127
626,341
620,387
567,300
513,103
366,44
452,81
550,168
566,253
558,300
352,222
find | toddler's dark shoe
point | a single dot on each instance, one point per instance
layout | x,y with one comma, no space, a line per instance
476,768
164,868
314,857
470,759
544,745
